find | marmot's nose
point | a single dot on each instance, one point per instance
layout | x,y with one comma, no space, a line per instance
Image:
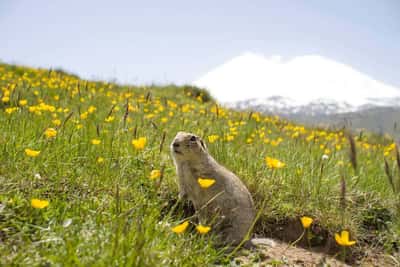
175,145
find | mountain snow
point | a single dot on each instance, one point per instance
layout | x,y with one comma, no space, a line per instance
311,84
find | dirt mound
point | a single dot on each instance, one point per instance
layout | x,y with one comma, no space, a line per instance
276,253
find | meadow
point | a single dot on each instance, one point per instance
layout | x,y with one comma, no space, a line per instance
86,177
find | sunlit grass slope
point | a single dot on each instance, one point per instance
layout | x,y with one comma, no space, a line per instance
86,177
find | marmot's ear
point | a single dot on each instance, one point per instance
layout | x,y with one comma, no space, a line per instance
203,145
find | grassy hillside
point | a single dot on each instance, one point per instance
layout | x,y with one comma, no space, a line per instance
112,197
380,120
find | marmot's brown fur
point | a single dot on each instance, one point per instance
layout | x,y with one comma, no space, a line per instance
227,205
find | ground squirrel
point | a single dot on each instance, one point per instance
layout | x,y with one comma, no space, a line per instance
227,204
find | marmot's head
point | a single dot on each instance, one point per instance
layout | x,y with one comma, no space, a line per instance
188,146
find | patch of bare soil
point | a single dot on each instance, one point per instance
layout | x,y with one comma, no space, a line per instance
276,235
321,245
277,253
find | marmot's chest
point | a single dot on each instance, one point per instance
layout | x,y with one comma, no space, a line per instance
197,194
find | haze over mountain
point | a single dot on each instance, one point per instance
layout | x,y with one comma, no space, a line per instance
307,88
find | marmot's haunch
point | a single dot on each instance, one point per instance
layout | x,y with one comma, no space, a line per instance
226,205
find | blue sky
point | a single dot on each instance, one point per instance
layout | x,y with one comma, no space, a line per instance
179,41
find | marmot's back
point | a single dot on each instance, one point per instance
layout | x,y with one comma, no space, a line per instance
227,203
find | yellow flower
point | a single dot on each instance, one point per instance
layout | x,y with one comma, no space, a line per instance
306,221
96,142
39,204
139,143
57,122
274,163
180,228
229,138
205,182
100,160
92,109
203,229
154,174
212,138
23,102
5,99
84,115
109,119
32,153
50,132
343,239
11,110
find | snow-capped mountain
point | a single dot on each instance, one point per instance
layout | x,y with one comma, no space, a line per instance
309,85
286,106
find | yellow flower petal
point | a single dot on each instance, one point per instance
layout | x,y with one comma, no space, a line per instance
306,221
205,182
139,143
95,141
274,163
56,122
345,235
32,153
50,132
109,119
338,239
212,138
350,243
203,229
22,102
180,228
154,174
343,239
39,204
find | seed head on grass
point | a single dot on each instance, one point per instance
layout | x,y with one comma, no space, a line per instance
389,176
353,152
397,156
162,141
342,193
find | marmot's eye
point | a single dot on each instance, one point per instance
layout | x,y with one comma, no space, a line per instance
193,138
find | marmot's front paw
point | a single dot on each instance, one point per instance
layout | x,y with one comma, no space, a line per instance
183,196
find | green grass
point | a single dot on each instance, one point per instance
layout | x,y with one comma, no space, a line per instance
120,216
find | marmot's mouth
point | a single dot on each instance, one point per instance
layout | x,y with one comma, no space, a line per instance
177,151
